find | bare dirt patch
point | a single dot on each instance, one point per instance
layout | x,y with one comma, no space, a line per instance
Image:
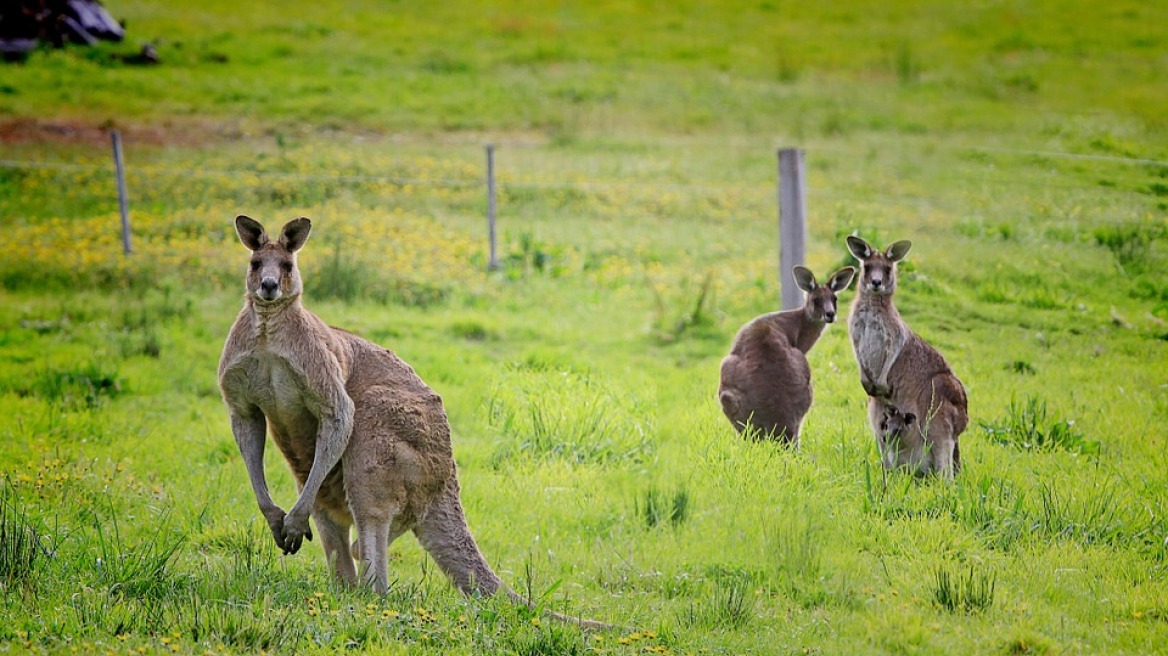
34,131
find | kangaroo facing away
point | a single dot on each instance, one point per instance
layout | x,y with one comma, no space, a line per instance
366,439
766,381
901,371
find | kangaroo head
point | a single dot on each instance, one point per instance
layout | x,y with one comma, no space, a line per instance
821,302
273,274
877,270
894,421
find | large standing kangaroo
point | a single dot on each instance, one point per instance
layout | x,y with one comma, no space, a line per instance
901,370
367,440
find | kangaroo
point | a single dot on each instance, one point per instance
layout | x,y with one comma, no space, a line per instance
766,381
899,369
367,440
894,430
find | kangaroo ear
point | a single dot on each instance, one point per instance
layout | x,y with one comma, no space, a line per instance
804,279
897,251
250,232
295,233
859,248
841,279
909,418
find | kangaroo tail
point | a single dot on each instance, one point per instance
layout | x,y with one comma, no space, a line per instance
444,534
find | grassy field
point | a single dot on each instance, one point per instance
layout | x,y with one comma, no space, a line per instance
1023,148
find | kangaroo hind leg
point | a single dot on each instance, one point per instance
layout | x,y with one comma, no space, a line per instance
946,459
375,532
334,536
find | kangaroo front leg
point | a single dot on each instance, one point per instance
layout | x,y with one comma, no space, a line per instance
249,430
873,389
879,385
331,441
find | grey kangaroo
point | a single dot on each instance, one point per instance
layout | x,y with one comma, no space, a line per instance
893,431
766,381
899,369
366,439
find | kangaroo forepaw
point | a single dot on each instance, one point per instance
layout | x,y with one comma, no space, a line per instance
293,532
289,531
875,390
275,517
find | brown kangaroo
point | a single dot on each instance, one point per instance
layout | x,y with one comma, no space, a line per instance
892,432
899,369
366,439
766,381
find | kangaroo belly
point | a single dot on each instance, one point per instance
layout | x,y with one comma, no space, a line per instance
872,341
280,392
295,436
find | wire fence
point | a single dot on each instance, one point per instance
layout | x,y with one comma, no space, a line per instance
497,190
342,178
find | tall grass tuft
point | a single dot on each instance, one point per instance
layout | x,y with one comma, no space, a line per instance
345,276
139,571
728,606
340,276
1027,427
1131,243
20,547
544,413
251,552
535,257
908,67
656,507
83,387
970,594
679,314
1105,516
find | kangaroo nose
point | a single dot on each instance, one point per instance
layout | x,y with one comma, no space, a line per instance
876,283
269,285
830,316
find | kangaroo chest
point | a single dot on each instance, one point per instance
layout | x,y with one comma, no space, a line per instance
876,339
278,389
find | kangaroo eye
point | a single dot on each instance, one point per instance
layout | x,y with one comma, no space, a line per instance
255,265
286,266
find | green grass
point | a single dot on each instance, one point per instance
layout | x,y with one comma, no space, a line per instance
635,158
1025,427
969,593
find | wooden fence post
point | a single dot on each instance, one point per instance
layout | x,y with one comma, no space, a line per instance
123,201
493,264
792,223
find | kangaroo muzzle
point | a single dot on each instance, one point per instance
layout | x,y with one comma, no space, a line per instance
269,289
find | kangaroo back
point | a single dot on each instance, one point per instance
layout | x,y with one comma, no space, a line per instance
765,381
